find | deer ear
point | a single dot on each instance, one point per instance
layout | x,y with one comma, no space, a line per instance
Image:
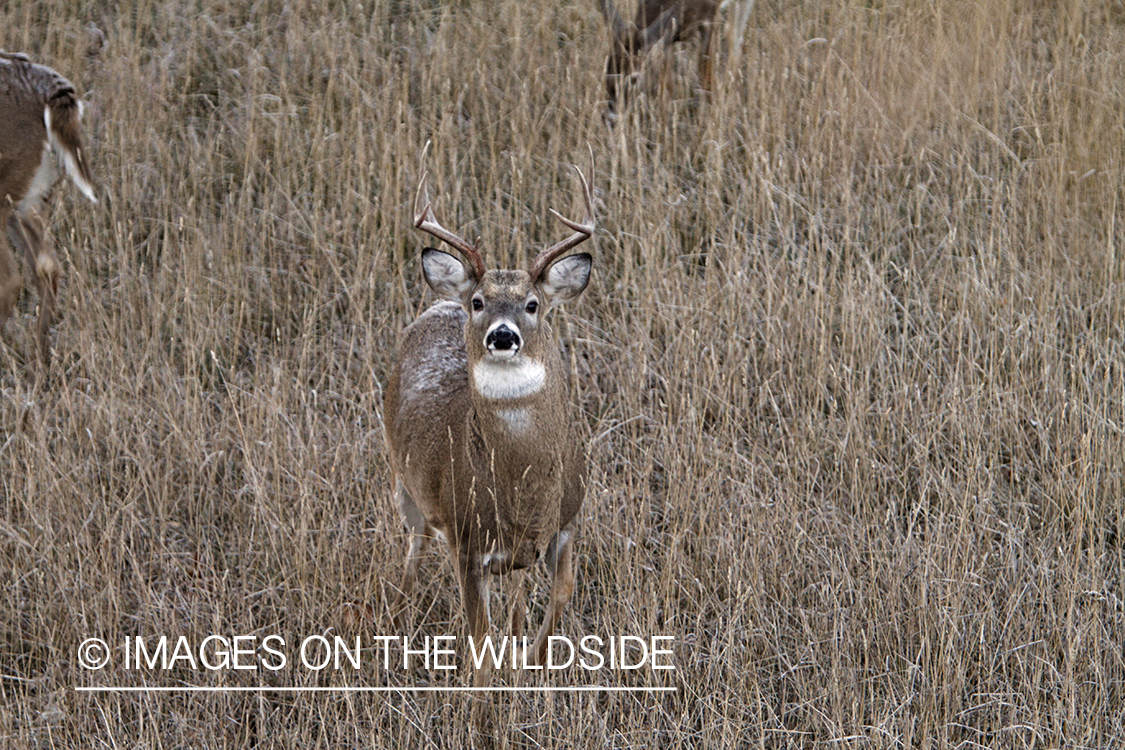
566,278
446,274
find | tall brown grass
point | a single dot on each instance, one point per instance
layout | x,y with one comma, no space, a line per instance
851,365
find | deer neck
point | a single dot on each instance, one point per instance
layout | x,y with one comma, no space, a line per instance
514,443
516,405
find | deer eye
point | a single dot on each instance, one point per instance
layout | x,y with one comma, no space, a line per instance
532,307
478,304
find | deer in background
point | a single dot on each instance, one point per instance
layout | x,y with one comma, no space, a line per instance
479,428
668,21
40,143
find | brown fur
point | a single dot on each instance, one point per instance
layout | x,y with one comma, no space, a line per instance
506,471
668,20
26,91
502,497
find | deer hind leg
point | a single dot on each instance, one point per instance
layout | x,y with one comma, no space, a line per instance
420,534
10,283
665,72
27,232
706,50
560,560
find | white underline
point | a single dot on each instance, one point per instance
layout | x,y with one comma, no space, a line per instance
373,689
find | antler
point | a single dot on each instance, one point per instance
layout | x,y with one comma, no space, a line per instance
426,221
582,232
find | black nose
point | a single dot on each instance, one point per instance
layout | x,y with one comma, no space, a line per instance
502,338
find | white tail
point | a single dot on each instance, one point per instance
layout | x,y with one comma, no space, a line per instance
40,142
478,424
665,21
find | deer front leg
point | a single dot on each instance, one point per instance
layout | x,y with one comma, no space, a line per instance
27,232
474,599
560,558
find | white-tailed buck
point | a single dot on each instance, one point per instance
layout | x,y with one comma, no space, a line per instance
40,142
657,20
479,426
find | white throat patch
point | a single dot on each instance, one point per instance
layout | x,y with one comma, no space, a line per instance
505,380
518,420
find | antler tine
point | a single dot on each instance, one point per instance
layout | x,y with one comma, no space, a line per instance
425,220
582,232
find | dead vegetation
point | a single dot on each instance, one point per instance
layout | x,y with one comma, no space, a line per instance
851,363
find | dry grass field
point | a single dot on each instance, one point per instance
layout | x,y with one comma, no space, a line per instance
851,365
